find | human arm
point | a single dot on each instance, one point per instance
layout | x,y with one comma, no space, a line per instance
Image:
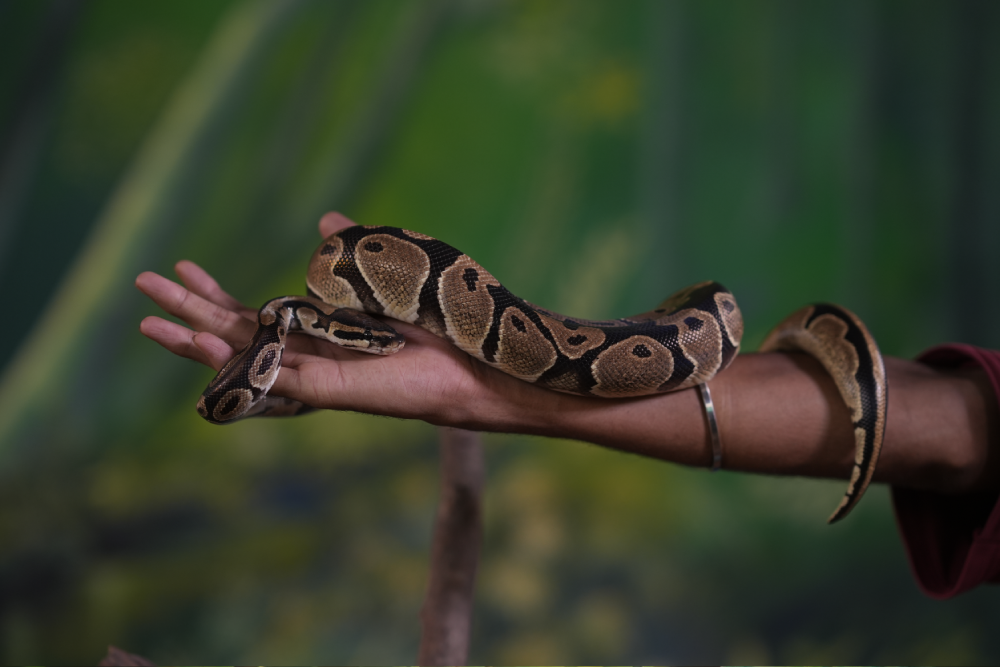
778,413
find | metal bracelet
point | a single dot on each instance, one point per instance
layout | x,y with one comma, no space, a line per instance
713,427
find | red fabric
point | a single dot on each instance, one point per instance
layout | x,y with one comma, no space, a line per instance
953,541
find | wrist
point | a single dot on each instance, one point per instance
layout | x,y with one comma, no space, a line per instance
939,429
492,401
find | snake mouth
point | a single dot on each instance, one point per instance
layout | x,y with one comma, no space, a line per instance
372,342
384,344
389,344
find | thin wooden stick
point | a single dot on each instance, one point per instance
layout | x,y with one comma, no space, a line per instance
446,616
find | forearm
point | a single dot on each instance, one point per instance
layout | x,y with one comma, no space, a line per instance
780,414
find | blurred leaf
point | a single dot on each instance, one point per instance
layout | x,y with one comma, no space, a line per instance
132,220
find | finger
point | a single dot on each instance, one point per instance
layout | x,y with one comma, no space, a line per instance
174,338
333,222
196,311
289,384
204,285
217,351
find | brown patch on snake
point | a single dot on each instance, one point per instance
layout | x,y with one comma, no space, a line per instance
568,382
700,340
572,339
466,304
321,281
396,270
635,366
268,315
315,312
266,364
418,235
523,351
234,402
824,340
732,318
307,318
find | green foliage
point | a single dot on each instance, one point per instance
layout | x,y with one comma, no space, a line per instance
594,156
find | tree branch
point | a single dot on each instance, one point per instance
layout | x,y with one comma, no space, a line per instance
446,616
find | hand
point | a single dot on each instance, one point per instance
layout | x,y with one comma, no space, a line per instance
428,379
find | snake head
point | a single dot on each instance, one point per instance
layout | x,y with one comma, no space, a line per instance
362,332
384,340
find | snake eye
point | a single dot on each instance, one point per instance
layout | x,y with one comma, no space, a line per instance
368,335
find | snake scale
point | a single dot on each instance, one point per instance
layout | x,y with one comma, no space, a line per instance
364,271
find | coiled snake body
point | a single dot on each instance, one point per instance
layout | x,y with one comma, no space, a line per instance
364,271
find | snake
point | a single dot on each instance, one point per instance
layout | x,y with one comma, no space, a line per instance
363,273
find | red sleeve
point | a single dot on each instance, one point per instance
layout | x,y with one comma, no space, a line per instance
953,542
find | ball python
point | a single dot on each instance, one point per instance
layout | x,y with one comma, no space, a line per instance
685,341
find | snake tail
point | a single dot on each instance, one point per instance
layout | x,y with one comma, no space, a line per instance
841,343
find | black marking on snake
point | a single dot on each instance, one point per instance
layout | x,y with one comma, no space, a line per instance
703,299
328,249
579,339
565,366
502,300
694,324
347,269
532,315
374,246
470,276
518,324
571,325
266,362
865,378
641,351
441,256
683,367
231,404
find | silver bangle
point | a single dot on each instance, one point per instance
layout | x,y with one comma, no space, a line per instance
713,427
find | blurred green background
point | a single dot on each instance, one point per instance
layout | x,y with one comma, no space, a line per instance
594,156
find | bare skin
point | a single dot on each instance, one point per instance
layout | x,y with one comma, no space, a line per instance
778,413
